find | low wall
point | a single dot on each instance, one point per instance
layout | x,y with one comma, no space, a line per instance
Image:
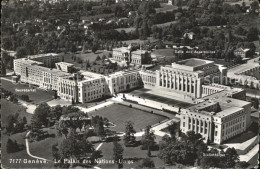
150,103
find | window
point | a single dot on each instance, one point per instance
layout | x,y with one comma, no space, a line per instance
216,133
183,124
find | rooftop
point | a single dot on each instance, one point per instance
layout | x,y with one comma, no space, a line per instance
228,111
42,55
193,62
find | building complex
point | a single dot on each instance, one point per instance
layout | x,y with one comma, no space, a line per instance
218,112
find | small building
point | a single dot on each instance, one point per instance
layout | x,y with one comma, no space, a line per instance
189,35
240,52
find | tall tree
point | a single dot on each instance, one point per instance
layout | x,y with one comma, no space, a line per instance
129,137
40,116
148,139
118,153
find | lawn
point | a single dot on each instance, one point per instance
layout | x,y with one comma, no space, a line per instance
120,114
37,97
167,53
43,148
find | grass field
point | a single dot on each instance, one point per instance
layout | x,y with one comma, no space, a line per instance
37,97
167,53
119,115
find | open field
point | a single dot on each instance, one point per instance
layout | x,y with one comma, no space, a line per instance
43,148
119,115
167,53
37,97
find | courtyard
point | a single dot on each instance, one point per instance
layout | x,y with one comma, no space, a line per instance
120,114
161,99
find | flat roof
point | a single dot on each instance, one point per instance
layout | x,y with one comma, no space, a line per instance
228,111
193,62
65,63
28,61
42,55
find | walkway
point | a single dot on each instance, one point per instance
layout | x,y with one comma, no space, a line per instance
96,107
138,106
248,156
28,150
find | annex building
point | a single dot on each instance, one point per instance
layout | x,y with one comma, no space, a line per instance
218,116
128,55
82,86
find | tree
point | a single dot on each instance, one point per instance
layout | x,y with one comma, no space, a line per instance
193,3
12,146
231,158
184,151
118,153
104,57
173,127
148,140
3,68
21,52
94,48
255,102
254,6
98,58
40,116
129,137
25,98
252,34
146,163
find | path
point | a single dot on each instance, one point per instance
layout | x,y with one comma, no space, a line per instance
28,150
96,107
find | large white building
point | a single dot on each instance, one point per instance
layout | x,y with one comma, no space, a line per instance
184,78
